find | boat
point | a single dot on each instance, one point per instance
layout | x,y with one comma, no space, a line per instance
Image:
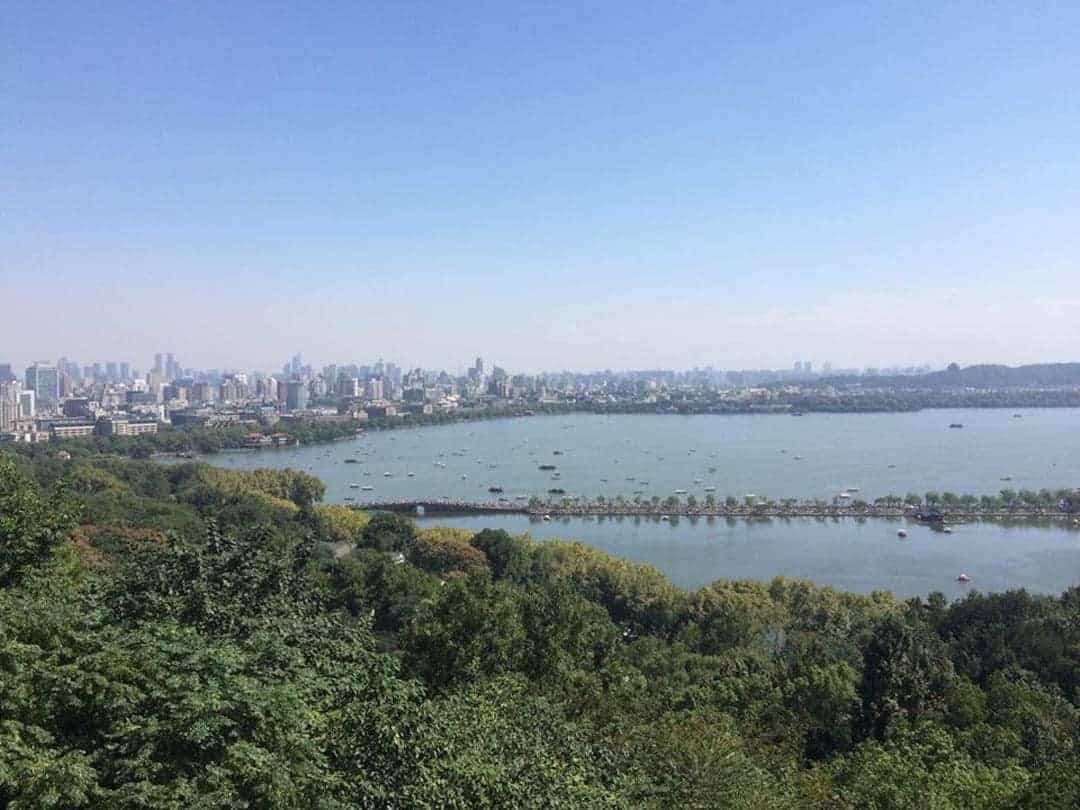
947,529
387,475
351,461
664,517
798,458
354,486
1006,478
710,489
902,533
495,489
348,498
963,578
366,489
1018,416
680,492
410,475
547,517
556,491
556,453
698,481
463,476
548,467
955,425
796,413
851,489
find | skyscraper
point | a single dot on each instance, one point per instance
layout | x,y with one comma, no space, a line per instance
296,397
9,403
158,367
44,381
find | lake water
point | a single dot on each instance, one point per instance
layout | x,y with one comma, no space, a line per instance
858,556
813,456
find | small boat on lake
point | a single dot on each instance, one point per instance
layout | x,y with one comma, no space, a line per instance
963,578
902,533
955,425
366,489
496,490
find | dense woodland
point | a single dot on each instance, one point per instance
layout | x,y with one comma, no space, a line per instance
183,636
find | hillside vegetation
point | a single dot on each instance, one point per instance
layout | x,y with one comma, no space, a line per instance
184,637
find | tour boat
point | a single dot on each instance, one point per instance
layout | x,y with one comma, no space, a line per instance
366,489
680,492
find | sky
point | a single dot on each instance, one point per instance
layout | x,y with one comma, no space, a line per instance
549,185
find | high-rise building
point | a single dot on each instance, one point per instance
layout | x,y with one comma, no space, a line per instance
374,388
112,372
6,374
27,404
296,396
44,381
125,371
9,404
158,364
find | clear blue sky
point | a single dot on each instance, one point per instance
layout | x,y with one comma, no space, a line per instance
574,185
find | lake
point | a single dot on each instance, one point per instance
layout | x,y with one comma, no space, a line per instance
812,456
852,555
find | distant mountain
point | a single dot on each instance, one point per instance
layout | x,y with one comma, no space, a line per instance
1040,375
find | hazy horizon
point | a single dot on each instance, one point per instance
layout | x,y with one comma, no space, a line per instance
585,188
